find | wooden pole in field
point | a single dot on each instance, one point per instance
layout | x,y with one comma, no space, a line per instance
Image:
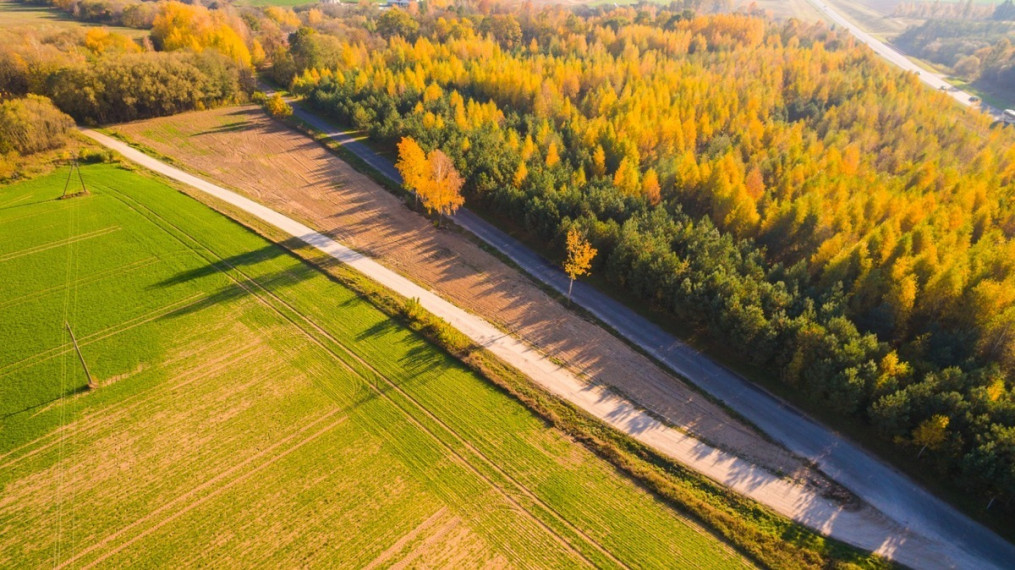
91,383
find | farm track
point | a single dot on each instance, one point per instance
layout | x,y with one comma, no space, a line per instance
320,337
865,527
60,243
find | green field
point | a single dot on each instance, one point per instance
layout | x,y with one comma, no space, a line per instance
14,15
250,410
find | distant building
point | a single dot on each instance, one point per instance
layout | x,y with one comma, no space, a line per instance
400,3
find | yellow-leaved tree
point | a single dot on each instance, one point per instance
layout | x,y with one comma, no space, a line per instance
931,432
182,26
580,254
412,165
443,191
432,177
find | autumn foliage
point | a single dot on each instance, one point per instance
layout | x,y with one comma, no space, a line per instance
432,177
580,254
193,27
816,210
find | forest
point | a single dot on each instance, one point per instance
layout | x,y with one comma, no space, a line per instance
775,184
976,46
813,208
973,50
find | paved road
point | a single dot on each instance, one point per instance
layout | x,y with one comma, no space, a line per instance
865,527
875,482
888,52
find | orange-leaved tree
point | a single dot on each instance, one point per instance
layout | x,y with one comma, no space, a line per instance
412,165
432,177
443,191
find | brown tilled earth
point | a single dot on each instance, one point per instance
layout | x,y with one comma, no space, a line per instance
241,148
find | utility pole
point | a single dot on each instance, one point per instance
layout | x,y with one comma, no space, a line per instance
74,166
91,383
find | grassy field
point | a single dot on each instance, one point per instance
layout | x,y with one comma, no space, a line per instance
250,410
16,15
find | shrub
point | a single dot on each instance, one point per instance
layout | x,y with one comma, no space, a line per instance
32,124
95,155
277,106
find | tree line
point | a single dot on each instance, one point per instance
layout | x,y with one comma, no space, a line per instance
192,58
973,50
816,210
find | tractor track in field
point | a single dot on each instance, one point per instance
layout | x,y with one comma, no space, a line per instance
59,243
113,413
294,316
887,533
79,282
208,484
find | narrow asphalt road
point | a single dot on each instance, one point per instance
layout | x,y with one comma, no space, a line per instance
863,527
886,51
872,480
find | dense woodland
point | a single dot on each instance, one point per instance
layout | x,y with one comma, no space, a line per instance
944,9
824,214
193,58
975,45
973,50
847,229
29,125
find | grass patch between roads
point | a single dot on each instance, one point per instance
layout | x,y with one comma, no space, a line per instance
251,409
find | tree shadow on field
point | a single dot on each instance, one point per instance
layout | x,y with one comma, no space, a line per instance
376,330
233,127
66,394
245,279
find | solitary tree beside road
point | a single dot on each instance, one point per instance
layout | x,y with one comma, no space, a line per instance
432,177
580,254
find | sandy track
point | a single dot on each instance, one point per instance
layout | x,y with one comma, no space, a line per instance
864,527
